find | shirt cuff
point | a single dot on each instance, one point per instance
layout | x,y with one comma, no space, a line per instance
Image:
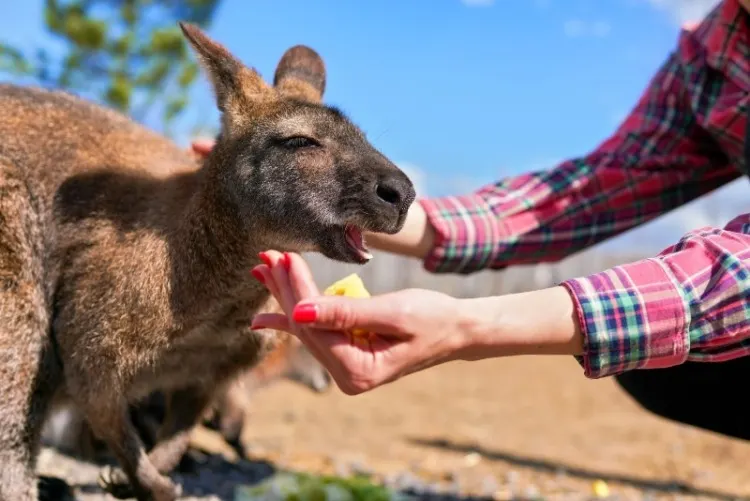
632,317
468,237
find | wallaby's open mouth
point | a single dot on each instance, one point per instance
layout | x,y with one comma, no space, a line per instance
355,241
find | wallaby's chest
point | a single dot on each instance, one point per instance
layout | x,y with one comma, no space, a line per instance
203,356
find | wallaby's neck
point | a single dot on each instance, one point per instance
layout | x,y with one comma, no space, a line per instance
211,252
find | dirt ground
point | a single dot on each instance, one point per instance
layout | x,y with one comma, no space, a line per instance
522,427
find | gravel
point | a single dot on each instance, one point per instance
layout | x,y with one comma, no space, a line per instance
213,478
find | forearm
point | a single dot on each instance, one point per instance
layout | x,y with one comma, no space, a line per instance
659,159
542,322
416,239
688,303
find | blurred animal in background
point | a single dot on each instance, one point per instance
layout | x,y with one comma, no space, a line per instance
67,430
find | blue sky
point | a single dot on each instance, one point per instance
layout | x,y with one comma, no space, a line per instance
479,91
459,92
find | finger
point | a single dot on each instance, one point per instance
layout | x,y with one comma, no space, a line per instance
275,321
267,279
202,146
319,350
281,277
301,278
276,273
380,314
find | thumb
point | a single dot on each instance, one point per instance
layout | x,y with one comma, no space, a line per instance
375,314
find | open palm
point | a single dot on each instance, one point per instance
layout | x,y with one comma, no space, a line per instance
407,333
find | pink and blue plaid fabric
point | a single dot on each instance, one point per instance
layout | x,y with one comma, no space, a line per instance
684,138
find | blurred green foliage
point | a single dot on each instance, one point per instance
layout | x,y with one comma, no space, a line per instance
292,486
128,54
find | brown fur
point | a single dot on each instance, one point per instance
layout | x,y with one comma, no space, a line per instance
131,259
291,360
301,74
67,430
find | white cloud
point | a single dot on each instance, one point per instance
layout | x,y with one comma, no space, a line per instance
600,28
478,3
416,175
683,11
576,28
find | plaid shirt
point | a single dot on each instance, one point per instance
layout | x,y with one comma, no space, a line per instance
684,138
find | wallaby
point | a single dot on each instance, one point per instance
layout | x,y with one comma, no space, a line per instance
66,428
231,408
124,263
291,360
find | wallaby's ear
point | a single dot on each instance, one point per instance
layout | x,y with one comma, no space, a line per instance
236,86
301,74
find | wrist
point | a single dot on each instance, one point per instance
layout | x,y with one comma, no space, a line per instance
416,238
529,323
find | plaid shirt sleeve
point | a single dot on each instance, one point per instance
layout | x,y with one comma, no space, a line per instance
657,160
691,302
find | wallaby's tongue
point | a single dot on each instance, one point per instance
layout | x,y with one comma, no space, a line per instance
356,240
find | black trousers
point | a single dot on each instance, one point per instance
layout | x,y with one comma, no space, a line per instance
707,395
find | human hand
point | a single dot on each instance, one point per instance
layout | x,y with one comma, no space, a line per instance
413,329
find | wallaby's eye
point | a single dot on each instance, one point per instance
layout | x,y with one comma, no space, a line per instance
300,142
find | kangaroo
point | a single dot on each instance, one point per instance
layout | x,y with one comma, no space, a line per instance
124,261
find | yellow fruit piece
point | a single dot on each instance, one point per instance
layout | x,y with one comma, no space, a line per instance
349,286
600,488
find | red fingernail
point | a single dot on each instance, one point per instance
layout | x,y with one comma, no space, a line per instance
258,275
305,313
286,261
264,257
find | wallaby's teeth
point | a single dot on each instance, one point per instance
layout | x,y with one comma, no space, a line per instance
356,240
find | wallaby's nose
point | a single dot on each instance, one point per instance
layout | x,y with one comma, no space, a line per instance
396,190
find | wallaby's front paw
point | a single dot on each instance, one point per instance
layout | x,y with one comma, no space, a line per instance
116,483
167,491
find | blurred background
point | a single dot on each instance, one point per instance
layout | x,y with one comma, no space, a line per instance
459,93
